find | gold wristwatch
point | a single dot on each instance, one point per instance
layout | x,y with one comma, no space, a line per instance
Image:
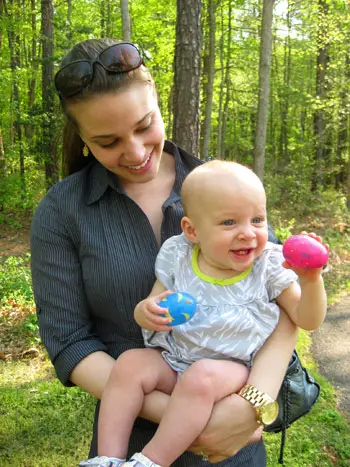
265,407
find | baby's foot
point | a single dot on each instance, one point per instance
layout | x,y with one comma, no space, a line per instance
102,461
139,460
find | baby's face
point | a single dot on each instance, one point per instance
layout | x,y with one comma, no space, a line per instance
231,226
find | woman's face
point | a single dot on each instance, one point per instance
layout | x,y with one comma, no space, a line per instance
124,131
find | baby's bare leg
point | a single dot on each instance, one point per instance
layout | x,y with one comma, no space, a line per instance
190,407
136,373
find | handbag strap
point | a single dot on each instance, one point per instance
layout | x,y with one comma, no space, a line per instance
285,419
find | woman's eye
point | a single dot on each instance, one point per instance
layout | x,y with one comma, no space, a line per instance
110,145
228,222
145,128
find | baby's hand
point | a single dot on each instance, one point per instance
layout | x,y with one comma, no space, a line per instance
301,262
149,315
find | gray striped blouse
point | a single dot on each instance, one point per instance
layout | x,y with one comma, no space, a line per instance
93,253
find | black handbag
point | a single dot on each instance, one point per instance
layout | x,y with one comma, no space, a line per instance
298,393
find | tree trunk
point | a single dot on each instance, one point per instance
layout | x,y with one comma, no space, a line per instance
221,94
264,88
227,83
1,15
285,96
2,152
124,7
69,22
319,117
15,63
187,75
34,64
272,133
48,96
209,74
348,183
103,18
109,20
2,173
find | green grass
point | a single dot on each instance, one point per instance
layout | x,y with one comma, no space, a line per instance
322,437
44,424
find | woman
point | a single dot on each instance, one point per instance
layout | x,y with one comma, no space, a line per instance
96,234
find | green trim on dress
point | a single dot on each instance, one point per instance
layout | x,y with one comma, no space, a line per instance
215,280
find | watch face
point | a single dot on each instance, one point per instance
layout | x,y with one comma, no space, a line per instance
269,413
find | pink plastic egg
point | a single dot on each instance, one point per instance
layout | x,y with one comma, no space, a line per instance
305,252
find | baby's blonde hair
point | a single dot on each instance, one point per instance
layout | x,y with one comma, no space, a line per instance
208,176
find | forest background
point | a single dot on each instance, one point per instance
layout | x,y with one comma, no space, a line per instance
262,82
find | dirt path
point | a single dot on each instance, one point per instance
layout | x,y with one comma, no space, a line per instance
14,242
331,350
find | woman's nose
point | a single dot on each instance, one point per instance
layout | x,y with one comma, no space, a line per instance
134,151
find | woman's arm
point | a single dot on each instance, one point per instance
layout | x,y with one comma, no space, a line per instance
92,373
233,421
271,362
63,314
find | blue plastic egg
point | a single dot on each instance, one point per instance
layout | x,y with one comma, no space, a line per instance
180,307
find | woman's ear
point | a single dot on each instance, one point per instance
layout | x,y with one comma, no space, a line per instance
189,229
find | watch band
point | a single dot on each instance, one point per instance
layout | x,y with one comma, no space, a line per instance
266,408
254,396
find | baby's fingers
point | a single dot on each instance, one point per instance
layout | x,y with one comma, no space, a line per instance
312,235
163,295
157,316
317,238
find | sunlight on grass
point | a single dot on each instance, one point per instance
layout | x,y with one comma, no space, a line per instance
42,422
45,424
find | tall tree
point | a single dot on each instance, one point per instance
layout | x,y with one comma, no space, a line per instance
226,87
33,60
124,7
264,88
208,76
222,80
11,9
187,75
286,82
48,95
1,13
348,185
2,174
2,152
321,70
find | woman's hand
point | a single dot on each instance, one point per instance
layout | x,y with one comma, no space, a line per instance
149,315
225,435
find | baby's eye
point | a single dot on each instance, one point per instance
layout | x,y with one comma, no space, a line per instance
257,220
229,222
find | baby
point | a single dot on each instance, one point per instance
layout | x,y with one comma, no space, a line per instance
239,279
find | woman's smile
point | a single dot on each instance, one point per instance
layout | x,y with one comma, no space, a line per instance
143,167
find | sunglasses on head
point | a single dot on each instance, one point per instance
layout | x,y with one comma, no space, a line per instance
117,58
